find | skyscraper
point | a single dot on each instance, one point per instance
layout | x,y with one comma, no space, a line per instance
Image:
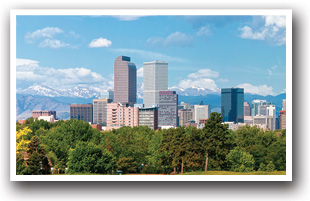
125,81
155,78
255,104
168,109
232,104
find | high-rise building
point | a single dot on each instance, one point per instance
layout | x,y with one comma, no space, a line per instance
100,111
149,117
255,104
185,115
246,109
269,121
155,79
168,109
125,81
284,105
119,115
201,112
282,116
232,104
37,114
82,112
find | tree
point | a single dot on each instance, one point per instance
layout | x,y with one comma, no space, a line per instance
89,158
20,165
270,167
21,142
238,160
127,165
217,142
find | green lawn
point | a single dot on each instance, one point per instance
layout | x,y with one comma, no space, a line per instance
235,173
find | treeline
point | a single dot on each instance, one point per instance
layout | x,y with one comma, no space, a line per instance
75,147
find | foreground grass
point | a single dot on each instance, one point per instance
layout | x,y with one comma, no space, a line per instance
235,173
203,173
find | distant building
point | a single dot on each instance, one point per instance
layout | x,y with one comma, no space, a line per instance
167,111
201,112
185,115
284,105
119,115
255,106
50,119
21,121
282,120
149,117
125,81
246,109
36,114
191,123
82,112
187,106
155,78
269,121
97,126
232,104
203,121
107,95
100,111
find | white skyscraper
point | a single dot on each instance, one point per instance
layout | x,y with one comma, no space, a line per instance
155,78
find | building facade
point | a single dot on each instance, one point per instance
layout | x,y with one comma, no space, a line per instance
155,79
185,115
125,81
82,112
255,106
149,117
107,95
37,114
100,111
246,109
269,121
119,115
168,109
232,104
201,112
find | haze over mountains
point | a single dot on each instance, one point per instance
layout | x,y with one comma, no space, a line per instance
47,98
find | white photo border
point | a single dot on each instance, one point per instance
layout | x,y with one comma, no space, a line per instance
149,12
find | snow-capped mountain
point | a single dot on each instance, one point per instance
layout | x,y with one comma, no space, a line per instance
76,92
194,91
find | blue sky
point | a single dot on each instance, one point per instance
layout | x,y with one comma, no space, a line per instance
202,51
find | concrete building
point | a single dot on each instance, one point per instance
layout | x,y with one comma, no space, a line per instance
191,123
119,115
155,78
282,120
82,112
185,115
246,109
167,111
36,114
201,112
125,81
232,104
149,117
100,111
50,119
269,121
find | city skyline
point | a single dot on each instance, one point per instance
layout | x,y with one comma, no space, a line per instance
210,52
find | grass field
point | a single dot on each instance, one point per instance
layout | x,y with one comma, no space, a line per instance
235,173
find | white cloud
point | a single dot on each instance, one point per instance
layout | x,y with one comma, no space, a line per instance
52,43
271,70
204,31
28,72
203,73
273,31
151,56
128,17
140,72
47,32
201,83
222,80
200,79
263,90
100,42
174,39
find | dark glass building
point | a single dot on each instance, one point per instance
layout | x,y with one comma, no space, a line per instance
232,104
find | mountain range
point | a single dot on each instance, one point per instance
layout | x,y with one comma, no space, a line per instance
47,98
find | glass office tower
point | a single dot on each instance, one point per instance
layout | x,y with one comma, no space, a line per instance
232,104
